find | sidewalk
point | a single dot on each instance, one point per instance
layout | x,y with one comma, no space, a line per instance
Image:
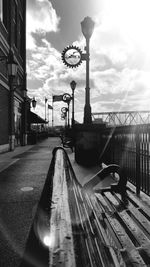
7,158
83,174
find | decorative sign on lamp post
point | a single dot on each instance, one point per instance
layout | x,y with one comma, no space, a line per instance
64,111
67,99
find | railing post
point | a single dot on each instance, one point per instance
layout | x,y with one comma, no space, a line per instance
113,147
138,178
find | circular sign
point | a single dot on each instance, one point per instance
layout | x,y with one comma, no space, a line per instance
66,98
64,110
63,116
72,56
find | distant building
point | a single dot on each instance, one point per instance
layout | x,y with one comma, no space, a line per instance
13,93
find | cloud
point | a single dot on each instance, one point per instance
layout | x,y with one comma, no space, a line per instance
120,56
41,18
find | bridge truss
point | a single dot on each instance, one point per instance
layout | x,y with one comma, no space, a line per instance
122,118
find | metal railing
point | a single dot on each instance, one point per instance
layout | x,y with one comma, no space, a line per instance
129,147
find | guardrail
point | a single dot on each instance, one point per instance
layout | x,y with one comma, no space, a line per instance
129,147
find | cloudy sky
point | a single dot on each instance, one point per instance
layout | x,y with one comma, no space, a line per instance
119,54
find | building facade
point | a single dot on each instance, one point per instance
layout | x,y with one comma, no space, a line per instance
13,93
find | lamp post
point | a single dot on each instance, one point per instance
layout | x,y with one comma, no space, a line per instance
87,27
12,72
73,86
67,99
64,111
24,111
68,103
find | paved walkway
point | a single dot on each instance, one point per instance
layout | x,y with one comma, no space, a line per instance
83,174
22,177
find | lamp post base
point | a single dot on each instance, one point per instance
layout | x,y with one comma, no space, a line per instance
11,142
88,144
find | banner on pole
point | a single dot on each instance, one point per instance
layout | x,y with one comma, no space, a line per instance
57,98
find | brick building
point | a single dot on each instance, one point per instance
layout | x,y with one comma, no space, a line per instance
13,93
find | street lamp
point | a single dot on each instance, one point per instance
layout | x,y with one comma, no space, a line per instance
12,68
87,27
73,86
33,101
12,72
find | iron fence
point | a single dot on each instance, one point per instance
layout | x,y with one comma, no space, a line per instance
129,146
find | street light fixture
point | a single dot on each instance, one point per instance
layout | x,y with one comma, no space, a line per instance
73,86
12,66
33,101
87,27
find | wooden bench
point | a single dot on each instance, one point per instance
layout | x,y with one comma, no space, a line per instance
91,228
96,229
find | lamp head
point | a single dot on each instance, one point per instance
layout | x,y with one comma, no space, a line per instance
12,65
33,102
87,26
73,85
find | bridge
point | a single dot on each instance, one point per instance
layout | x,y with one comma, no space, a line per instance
122,118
